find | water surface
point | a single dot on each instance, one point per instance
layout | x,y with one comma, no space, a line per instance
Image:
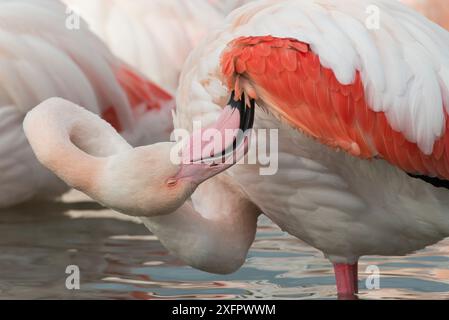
119,259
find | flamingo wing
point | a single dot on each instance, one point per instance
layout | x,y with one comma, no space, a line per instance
229,5
398,114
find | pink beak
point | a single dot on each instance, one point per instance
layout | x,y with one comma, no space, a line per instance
218,147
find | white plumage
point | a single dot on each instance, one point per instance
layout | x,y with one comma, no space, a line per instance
342,205
154,36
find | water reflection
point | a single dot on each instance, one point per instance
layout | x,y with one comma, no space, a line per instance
119,259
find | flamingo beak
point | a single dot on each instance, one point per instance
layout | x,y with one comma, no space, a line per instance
215,149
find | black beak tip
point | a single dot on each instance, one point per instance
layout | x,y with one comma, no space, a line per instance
246,112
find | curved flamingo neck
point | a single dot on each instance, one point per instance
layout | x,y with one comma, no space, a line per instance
71,141
214,231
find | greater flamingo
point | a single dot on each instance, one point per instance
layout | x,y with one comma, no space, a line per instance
42,57
363,138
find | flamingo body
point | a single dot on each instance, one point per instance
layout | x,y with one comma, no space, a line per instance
341,87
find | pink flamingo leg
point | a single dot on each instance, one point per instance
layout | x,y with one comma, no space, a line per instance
346,276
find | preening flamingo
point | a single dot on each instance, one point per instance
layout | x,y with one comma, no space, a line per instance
363,138
154,36
41,58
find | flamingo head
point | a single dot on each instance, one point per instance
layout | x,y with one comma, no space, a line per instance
89,155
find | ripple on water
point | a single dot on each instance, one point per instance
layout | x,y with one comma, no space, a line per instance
119,259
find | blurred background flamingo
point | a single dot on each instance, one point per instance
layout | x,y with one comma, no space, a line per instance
41,58
154,36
